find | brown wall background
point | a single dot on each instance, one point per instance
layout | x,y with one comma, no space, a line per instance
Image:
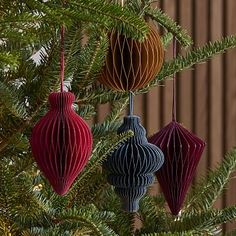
206,94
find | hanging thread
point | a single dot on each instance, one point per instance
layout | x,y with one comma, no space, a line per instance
174,84
62,57
131,95
131,103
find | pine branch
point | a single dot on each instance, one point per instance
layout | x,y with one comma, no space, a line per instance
226,215
102,149
104,129
205,221
196,56
8,59
99,95
98,12
19,205
171,26
111,123
21,26
11,136
6,229
41,80
166,39
46,76
116,109
124,223
86,111
89,217
153,214
90,60
184,233
9,100
116,16
73,45
210,188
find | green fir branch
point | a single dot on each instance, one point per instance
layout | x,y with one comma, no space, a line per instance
117,108
99,95
73,44
153,214
170,25
90,61
8,59
196,56
9,100
104,129
227,214
124,223
86,111
88,216
102,149
209,189
166,39
184,233
208,222
114,16
98,12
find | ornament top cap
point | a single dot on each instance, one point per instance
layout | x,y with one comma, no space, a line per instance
61,99
132,122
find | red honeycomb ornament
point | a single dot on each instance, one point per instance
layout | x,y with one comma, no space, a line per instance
182,151
61,142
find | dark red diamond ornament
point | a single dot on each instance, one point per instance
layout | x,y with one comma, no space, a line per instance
182,151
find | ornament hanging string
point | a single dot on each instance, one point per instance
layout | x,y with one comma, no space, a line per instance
131,103
131,94
62,56
174,84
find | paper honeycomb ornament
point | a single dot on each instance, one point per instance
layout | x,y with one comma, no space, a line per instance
131,166
131,64
182,150
61,142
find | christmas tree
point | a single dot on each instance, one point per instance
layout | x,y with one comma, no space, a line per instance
29,70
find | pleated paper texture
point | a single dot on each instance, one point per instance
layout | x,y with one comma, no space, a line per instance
182,150
61,142
131,64
132,165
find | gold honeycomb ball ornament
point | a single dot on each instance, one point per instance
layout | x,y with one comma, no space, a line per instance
131,64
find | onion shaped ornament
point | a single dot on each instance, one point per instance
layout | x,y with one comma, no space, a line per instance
61,142
131,166
131,64
182,150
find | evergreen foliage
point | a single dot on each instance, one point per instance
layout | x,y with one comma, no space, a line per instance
28,206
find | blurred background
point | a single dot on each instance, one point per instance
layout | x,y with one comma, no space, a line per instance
206,94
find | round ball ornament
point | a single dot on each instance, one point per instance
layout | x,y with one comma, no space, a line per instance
131,64
61,142
132,165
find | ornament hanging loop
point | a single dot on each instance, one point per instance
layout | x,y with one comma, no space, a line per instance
174,83
62,57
